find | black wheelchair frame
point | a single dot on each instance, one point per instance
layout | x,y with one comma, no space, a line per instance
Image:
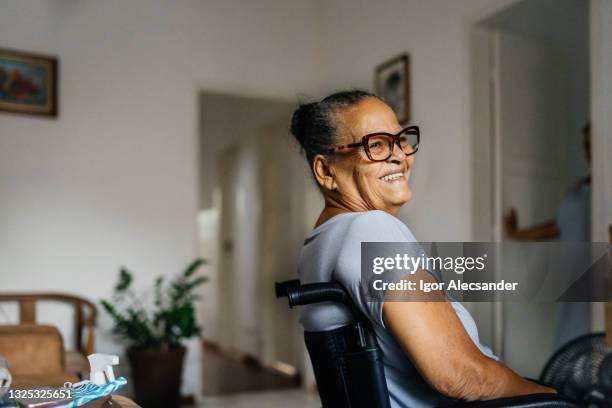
348,363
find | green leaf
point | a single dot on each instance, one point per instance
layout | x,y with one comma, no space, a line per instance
196,282
110,309
193,266
158,291
125,279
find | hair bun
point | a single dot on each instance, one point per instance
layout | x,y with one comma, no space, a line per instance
313,124
301,121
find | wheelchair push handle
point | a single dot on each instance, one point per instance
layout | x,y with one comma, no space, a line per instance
298,294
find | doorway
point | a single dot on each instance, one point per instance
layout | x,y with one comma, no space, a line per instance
531,100
255,183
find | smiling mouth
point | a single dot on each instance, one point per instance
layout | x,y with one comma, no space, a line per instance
393,177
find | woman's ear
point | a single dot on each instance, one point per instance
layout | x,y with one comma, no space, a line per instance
323,172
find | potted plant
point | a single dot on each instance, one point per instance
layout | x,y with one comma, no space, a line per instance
155,334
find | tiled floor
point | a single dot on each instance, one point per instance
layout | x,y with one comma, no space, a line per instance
294,398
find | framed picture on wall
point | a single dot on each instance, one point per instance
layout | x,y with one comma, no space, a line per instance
28,83
392,85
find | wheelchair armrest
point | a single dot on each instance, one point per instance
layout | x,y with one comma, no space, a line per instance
523,401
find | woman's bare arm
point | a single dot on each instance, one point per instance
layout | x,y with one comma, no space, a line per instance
434,339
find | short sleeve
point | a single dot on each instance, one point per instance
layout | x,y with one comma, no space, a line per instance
371,226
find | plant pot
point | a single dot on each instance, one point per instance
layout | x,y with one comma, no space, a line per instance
157,376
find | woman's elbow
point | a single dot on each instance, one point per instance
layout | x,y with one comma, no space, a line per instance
468,382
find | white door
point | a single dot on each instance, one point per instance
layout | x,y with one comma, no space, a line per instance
533,138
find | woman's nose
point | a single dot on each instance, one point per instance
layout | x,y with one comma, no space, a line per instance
397,154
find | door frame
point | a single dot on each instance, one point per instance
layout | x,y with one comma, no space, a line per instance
601,135
486,169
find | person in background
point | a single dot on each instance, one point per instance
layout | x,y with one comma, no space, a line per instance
573,223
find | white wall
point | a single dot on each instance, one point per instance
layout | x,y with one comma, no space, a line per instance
113,180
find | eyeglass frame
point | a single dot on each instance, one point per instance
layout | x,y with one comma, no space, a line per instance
395,137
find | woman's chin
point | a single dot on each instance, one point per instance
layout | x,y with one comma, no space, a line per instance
401,197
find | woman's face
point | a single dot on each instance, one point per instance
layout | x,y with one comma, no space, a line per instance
361,184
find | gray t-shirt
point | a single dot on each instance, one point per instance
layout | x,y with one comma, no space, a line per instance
334,247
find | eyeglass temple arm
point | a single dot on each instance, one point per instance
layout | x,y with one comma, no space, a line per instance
342,147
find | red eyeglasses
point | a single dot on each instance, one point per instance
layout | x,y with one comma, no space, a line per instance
379,146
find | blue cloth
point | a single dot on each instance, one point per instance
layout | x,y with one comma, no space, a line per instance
335,246
574,214
90,392
574,220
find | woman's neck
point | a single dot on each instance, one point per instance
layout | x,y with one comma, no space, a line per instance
334,207
328,212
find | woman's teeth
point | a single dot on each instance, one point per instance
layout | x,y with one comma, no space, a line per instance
392,177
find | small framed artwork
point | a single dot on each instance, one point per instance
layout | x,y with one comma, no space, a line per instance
28,83
392,85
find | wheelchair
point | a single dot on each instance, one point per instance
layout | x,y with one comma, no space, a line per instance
347,361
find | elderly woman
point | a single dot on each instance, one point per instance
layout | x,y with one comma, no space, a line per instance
361,159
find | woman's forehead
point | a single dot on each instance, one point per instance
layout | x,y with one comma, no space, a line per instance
370,116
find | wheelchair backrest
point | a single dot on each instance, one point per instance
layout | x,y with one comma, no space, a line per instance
346,361
346,374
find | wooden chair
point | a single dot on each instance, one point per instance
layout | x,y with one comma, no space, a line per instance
85,314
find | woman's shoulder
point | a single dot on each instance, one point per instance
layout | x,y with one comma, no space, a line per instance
378,226
363,226
360,219
373,216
